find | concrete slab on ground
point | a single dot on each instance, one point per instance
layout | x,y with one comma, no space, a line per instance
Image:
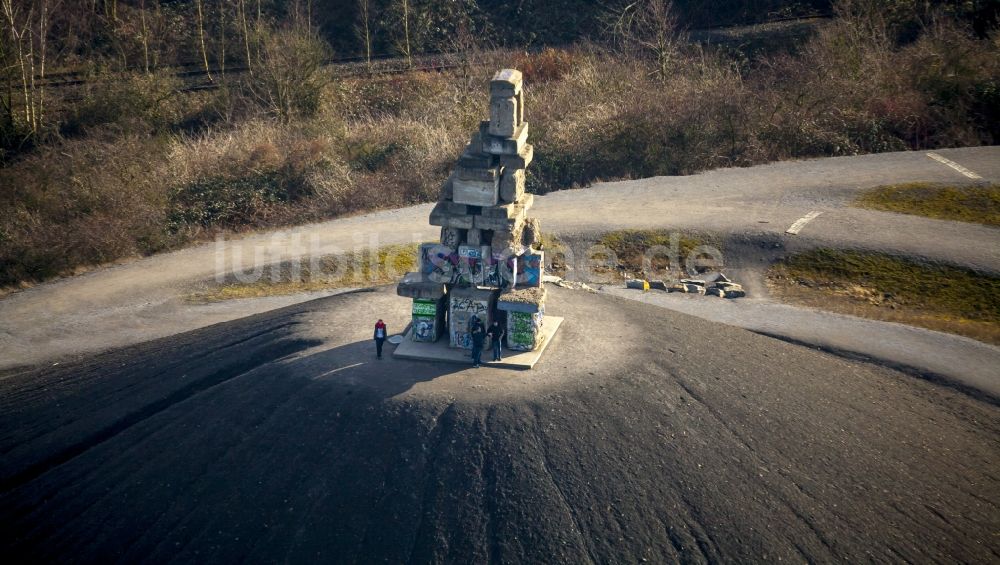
440,352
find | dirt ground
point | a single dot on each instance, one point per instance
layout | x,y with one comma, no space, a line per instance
644,434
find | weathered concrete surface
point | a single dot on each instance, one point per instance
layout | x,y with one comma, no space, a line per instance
513,145
476,192
419,285
512,185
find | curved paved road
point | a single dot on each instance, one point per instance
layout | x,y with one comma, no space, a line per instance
142,300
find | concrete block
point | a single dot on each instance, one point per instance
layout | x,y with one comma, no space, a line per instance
503,116
445,192
694,289
506,82
414,285
511,210
502,270
491,174
508,240
676,287
519,161
657,285
454,208
473,262
520,106
437,262
464,305
476,193
637,284
531,235
527,300
428,319
475,158
474,237
698,282
735,293
440,216
531,268
728,285
524,330
512,185
715,291
501,223
452,237
512,145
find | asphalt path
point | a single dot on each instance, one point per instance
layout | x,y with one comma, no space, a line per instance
643,435
950,359
144,299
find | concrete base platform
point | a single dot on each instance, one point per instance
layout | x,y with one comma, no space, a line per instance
441,353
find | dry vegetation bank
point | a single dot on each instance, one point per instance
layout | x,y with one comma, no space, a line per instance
138,167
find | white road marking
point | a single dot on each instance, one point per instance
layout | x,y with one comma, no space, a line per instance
801,222
954,165
336,370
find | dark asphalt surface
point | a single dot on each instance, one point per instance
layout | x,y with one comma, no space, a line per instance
643,434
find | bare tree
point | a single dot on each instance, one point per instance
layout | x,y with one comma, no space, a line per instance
242,7
406,33
28,31
650,28
222,39
145,36
18,30
201,38
365,30
290,74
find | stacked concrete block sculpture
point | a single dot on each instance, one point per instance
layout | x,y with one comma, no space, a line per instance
489,245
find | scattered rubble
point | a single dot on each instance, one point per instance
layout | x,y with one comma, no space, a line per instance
714,284
637,284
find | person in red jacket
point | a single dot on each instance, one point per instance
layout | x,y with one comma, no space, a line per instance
381,332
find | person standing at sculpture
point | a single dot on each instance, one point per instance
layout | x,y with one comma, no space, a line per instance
381,333
478,334
496,333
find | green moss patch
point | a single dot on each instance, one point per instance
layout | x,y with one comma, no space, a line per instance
360,269
973,203
885,287
632,246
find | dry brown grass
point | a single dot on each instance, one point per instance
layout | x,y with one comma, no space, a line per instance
131,187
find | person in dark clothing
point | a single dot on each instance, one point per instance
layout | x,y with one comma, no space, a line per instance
381,332
496,333
478,334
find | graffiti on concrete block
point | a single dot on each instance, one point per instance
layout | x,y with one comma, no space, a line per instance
502,271
470,306
425,307
463,310
524,330
437,262
452,237
530,268
473,262
424,329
